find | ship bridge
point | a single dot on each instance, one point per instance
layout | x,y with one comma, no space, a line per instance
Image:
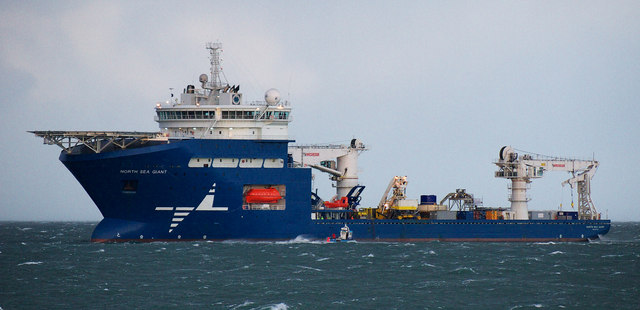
217,110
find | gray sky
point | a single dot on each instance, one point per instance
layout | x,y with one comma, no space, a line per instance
435,89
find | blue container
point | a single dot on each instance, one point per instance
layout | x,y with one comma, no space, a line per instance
570,215
464,215
428,199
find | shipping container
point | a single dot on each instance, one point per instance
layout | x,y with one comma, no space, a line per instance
432,207
493,214
443,215
479,215
413,203
570,215
542,215
464,215
428,199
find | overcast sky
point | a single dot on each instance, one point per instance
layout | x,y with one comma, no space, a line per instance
433,88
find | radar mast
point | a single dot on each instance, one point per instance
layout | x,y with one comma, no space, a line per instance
216,68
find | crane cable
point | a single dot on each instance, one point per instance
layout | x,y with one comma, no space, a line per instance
571,197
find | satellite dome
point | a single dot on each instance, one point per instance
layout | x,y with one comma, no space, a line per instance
204,78
272,96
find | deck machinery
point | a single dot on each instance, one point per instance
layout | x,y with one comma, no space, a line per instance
521,170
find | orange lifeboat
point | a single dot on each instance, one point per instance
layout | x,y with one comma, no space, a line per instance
263,195
342,203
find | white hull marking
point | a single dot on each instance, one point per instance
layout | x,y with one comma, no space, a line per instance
183,208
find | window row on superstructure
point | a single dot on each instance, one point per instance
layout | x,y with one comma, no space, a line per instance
243,114
227,114
165,115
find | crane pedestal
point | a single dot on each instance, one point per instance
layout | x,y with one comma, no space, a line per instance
519,199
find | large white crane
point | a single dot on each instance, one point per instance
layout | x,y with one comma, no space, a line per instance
324,157
522,169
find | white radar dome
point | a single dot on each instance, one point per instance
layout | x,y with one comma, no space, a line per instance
272,96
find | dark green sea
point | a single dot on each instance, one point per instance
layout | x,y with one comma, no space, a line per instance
54,266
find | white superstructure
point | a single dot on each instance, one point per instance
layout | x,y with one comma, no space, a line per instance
218,111
522,169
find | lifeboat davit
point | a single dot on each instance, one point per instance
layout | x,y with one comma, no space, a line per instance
342,203
263,195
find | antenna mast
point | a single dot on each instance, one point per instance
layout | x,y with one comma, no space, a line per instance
216,68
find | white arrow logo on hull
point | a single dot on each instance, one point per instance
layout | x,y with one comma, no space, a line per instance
181,212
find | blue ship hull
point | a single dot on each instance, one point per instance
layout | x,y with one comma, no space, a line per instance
150,193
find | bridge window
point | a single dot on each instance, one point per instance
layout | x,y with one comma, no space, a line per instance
238,114
199,114
275,115
267,115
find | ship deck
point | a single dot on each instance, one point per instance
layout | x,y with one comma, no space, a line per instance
97,141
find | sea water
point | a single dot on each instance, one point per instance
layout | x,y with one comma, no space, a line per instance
54,266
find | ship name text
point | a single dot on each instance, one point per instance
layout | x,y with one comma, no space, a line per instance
142,171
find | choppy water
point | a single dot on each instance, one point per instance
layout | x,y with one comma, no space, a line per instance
53,266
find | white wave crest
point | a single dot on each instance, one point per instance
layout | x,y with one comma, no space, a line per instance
280,306
300,239
30,263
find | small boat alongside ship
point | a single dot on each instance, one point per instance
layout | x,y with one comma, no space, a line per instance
223,168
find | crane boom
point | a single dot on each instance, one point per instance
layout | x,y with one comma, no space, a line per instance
398,184
522,169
